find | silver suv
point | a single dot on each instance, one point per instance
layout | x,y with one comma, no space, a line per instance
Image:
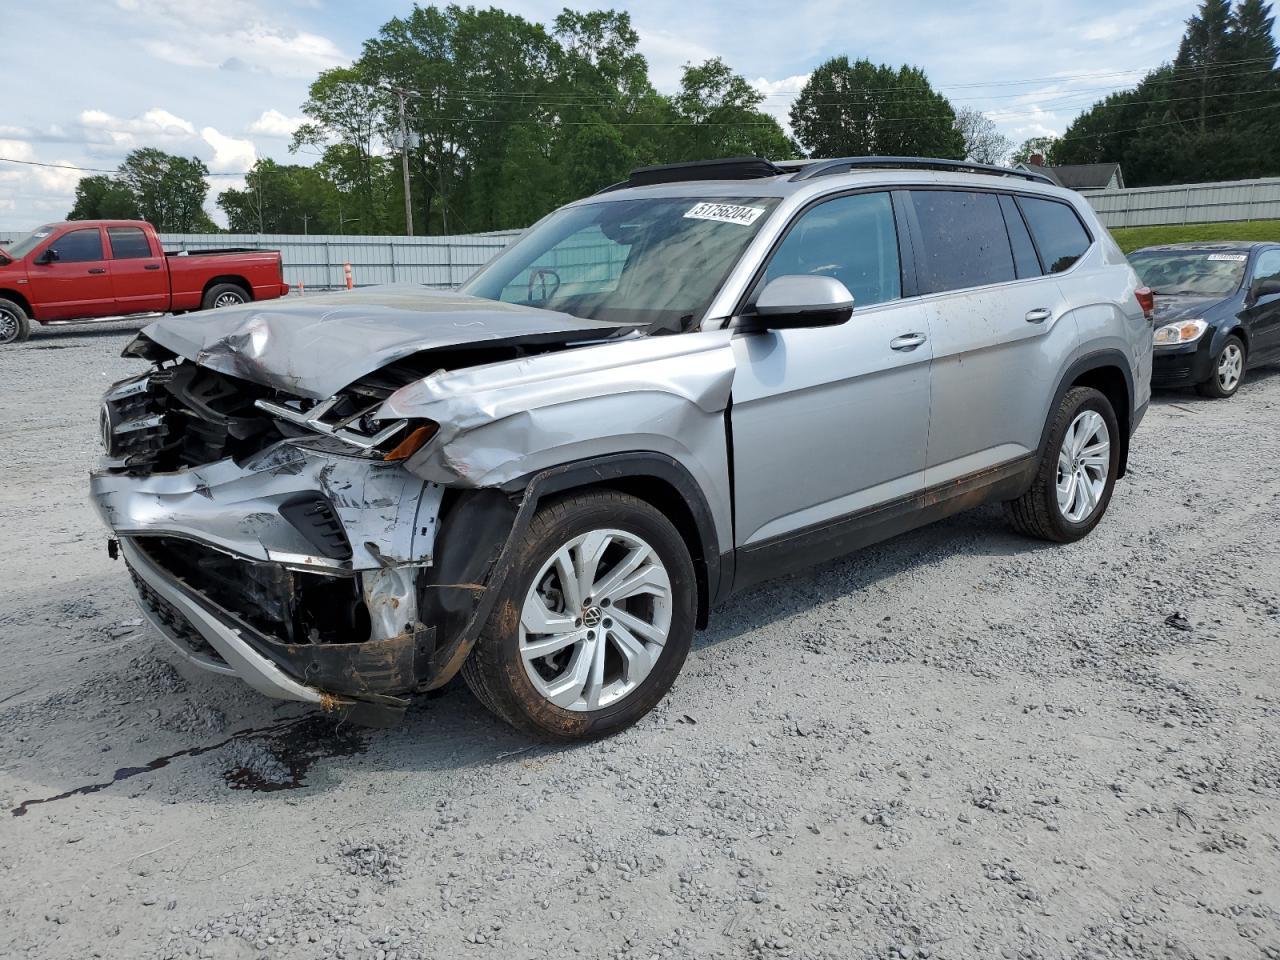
667,392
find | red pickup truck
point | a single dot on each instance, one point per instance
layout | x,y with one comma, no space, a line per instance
86,269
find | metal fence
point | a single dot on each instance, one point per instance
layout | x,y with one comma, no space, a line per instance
1231,200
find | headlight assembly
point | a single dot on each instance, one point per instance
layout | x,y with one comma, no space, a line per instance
1183,331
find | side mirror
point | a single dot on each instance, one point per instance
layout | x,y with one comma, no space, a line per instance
49,256
802,300
1265,288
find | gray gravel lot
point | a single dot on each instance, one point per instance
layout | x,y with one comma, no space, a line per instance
956,744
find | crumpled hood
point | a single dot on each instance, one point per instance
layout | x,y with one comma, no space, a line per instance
314,346
1181,306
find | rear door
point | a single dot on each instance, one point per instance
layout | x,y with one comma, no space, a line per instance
76,284
999,328
1264,314
139,280
830,421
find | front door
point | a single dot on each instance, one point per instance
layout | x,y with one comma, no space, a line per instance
76,283
1262,316
831,421
139,279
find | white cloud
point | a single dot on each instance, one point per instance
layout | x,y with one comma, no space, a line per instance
233,35
156,126
667,54
779,94
273,123
230,155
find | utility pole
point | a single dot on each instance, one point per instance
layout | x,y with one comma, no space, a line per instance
404,167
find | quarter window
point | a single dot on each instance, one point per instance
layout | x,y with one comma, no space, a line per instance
128,243
852,239
1024,253
1059,235
964,239
78,246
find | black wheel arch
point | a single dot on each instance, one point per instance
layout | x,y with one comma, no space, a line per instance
232,279
21,301
1108,372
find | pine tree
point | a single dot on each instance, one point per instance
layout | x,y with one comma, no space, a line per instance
1205,53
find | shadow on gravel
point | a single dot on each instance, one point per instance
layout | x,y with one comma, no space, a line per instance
1256,379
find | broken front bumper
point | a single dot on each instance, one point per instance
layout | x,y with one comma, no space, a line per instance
270,568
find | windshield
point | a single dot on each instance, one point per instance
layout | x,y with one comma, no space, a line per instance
1201,273
20,248
657,262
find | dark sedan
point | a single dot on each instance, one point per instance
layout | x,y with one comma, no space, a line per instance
1217,312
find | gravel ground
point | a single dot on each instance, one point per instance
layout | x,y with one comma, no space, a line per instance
956,744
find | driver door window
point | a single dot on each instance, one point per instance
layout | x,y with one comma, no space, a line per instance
79,246
852,239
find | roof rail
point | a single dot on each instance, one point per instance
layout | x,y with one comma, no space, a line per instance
826,168
732,168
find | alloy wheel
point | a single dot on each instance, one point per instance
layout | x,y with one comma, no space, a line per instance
1084,460
228,300
595,620
8,326
1230,367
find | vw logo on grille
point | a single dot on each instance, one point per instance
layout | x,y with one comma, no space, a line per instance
106,428
592,616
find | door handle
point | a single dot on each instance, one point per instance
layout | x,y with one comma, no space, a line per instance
1039,315
152,266
97,269
908,341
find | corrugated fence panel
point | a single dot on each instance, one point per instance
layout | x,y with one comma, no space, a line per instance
1189,203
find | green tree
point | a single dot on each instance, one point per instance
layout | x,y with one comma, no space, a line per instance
720,117
169,191
860,109
1047,147
101,197
281,198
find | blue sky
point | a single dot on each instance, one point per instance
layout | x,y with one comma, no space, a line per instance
88,80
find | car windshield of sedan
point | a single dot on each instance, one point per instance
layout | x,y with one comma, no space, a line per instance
1200,273
653,262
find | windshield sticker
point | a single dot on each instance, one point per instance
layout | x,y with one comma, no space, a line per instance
725,213
1229,257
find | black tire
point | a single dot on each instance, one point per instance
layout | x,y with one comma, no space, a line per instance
14,324
495,671
224,291
1036,513
1213,387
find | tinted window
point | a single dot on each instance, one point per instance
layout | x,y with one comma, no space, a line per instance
128,243
1024,254
852,239
79,246
964,240
1059,235
1268,267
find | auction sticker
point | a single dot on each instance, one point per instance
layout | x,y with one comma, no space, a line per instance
725,213
1229,257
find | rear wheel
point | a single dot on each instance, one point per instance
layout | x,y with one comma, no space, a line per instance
1228,371
224,295
14,325
1077,473
592,623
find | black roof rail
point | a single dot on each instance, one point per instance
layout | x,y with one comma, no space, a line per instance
826,168
732,168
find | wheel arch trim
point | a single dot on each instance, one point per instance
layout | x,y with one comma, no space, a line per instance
1097,361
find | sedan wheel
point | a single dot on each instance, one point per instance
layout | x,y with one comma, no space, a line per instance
595,620
1230,367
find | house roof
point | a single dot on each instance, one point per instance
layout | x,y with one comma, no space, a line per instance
1081,176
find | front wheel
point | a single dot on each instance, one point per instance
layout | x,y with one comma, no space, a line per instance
1228,371
224,295
1077,472
14,325
592,622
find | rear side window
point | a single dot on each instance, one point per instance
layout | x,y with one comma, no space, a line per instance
852,239
78,246
964,240
1058,232
128,243
1024,253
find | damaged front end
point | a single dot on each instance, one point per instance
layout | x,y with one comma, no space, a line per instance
282,540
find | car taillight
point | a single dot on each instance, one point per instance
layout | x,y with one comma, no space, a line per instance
1146,300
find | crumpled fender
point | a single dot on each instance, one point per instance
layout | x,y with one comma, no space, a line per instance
501,421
